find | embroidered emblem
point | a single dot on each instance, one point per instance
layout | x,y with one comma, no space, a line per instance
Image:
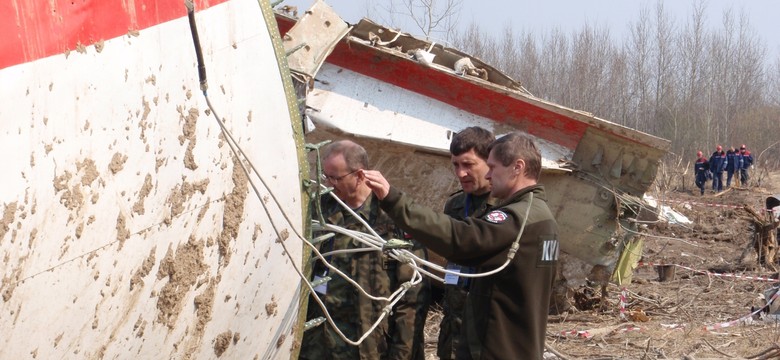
496,216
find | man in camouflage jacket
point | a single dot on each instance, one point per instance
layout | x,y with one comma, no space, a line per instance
398,336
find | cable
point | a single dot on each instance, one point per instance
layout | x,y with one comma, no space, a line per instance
196,40
512,250
239,153
660,237
393,299
374,241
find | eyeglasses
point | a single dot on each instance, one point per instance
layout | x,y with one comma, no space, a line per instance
335,179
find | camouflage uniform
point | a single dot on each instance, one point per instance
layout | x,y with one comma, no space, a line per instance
353,312
407,322
459,206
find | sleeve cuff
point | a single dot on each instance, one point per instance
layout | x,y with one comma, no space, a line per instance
392,198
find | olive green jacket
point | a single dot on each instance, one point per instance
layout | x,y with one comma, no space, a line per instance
462,205
506,313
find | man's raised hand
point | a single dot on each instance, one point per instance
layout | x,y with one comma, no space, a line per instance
377,183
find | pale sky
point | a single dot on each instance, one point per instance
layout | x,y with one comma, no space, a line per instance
570,15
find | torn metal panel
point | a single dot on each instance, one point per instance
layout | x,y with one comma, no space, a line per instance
313,38
356,104
436,55
388,87
617,162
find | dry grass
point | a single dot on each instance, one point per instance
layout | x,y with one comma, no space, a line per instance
435,315
673,326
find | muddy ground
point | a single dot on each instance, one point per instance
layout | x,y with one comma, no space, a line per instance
698,313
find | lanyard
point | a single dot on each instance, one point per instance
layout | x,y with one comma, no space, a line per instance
468,205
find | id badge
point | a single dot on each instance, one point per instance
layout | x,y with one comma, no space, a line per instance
452,279
321,289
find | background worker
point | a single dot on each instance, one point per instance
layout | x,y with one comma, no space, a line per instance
731,165
506,312
700,169
717,165
469,153
747,162
396,337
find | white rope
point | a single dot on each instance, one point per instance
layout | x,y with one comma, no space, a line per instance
393,299
513,248
372,240
659,236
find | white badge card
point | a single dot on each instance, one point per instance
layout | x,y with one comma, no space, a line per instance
452,279
321,289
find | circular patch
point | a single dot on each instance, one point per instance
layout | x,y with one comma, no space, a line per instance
496,216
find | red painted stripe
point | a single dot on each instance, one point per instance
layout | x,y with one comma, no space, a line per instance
461,94
34,29
454,91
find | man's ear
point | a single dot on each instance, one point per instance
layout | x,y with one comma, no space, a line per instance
519,166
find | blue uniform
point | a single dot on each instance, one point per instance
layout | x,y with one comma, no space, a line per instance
731,166
700,169
738,163
718,163
747,161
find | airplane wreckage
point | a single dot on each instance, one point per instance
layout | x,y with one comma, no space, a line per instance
138,222
404,98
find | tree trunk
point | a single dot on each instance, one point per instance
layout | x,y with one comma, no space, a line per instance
766,238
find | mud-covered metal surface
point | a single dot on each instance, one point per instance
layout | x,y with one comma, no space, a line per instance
309,43
128,229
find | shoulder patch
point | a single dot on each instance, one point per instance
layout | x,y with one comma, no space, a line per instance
496,216
548,251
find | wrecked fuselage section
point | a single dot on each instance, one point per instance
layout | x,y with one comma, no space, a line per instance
403,98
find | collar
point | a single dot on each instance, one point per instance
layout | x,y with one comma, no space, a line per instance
537,189
367,211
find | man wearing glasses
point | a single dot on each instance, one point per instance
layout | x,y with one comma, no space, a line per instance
400,336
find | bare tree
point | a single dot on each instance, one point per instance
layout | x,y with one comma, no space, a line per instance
509,53
693,75
639,64
591,51
749,79
664,53
555,67
738,76
435,19
530,66
696,84
473,41
774,83
615,102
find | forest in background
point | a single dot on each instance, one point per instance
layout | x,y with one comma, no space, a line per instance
693,82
